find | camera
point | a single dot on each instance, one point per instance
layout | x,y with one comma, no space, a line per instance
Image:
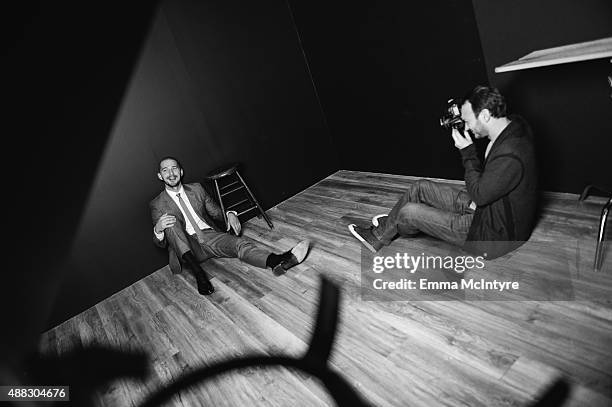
451,119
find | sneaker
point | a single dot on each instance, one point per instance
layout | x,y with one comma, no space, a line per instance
380,220
365,236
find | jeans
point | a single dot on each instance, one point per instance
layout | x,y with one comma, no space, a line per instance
439,210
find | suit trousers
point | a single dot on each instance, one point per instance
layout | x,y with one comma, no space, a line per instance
217,244
439,210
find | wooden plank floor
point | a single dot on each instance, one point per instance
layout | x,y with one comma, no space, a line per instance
418,353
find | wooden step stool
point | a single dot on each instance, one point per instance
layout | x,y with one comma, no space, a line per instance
228,181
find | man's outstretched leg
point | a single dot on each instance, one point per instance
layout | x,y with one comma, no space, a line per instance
225,245
434,208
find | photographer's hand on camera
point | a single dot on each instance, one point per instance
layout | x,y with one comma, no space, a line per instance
461,140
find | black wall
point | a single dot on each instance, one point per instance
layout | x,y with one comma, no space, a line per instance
67,65
216,82
569,106
384,71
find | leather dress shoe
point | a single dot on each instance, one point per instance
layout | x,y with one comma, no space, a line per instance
205,287
292,258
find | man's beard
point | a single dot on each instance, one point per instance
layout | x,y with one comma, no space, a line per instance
176,181
479,133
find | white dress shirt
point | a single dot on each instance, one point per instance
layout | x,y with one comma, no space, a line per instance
188,227
488,149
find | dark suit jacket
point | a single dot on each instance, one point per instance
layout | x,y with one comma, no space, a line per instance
505,190
202,204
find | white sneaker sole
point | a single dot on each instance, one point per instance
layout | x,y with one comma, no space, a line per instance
375,219
361,239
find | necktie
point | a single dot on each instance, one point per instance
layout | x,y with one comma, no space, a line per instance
190,219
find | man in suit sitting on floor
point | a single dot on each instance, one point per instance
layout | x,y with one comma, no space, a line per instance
185,222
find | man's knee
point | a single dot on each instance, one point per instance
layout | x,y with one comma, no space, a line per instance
243,246
174,232
177,238
408,211
413,193
425,184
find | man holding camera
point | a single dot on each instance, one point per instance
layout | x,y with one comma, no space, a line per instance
495,211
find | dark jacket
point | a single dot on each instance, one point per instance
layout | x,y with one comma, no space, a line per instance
202,204
504,190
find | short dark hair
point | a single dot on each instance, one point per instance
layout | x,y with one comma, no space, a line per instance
485,97
168,157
